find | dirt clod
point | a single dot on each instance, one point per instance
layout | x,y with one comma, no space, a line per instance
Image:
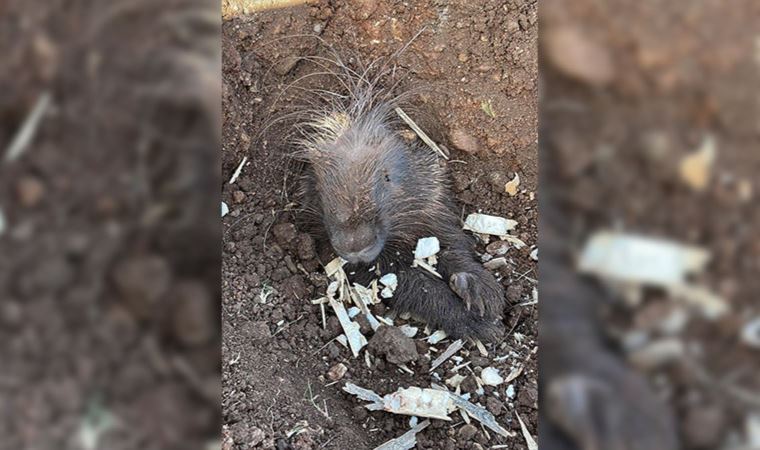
359,413
528,396
469,384
578,56
494,406
257,331
462,140
142,281
246,438
391,343
467,432
285,65
514,293
306,247
296,287
285,233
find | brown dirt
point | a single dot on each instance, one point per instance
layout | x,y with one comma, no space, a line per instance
275,351
657,79
106,310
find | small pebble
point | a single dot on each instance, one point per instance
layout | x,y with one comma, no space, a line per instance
491,377
30,191
461,140
510,391
238,196
337,372
498,248
577,56
467,432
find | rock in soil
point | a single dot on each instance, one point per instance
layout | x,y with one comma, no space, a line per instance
461,140
497,248
391,343
514,293
494,406
467,432
30,191
337,372
142,281
246,438
285,65
238,196
577,56
469,384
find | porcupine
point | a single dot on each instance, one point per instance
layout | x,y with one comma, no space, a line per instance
374,194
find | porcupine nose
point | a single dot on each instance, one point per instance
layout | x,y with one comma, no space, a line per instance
357,245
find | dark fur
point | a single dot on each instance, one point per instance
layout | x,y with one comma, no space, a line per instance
362,175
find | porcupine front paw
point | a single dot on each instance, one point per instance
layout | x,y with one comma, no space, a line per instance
479,291
432,300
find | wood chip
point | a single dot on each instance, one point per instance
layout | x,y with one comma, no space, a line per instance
480,414
412,401
428,267
407,440
236,8
640,259
332,268
695,169
511,186
529,441
450,351
491,225
3,222
750,334
434,403
427,247
356,339
239,169
514,374
436,337
25,134
490,376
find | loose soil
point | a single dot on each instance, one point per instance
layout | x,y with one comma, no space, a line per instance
109,258
477,65
641,87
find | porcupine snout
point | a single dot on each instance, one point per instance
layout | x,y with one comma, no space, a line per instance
360,244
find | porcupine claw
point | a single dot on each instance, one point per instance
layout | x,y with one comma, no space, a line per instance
466,286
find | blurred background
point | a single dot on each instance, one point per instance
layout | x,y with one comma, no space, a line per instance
109,233
109,224
649,133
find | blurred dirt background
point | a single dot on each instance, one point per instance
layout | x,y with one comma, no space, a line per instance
632,90
477,65
109,238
